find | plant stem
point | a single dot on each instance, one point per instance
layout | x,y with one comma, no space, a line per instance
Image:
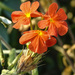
36,27
71,35
67,57
2,61
46,28
70,62
5,43
60,41
31,27
15,61
8,51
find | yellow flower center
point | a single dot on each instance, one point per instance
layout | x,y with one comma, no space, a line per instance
27,15
51,20
39,33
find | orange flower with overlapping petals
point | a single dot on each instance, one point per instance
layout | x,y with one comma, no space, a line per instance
40,40
55,21
23,17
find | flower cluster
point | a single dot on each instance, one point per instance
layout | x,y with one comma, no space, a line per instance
53,23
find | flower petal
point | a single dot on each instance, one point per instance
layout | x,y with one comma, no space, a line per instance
60,15
52,9
34,6
38,46
46,17
45,35
28,36
36,14
43,24
25,7
16,15
17,25
24,21
63,29
52,41
52,30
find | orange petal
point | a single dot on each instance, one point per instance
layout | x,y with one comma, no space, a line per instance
52,30
45,35
16,15
43,24
38,46
31,31
36,14
34,44
57,23
17,25
42,46
28,36
24,21
34,6
52,41
52,9
60,15
63,29
25,7
46,17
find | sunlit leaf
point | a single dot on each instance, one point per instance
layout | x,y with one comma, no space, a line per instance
5,20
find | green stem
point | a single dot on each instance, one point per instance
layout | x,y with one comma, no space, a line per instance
4,24
1,55
3,6
36,27
15,61
31,27
8,51
71,35
46,28
5,43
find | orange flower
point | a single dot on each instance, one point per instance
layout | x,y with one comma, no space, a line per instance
23,17
54,20
39,40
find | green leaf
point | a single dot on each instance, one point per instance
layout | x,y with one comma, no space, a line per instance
15,61
12,56
35,72
7,72
5,20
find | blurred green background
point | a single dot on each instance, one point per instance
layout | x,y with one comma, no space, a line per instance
52,62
